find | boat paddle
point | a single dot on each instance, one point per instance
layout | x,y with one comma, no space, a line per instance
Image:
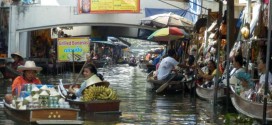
81,70
163,86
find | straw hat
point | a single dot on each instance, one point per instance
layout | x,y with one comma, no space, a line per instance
29,65
16,54
93,80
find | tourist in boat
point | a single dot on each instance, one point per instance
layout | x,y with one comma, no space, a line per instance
237,63
167,65
29,70
208,77
91,76
262,71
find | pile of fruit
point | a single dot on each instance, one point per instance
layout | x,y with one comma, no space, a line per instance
99,93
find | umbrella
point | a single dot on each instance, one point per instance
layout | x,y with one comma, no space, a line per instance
167,34
167,19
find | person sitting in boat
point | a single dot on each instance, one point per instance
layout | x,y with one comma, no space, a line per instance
167,65
237,63
91,76
262,71
29,70
208,77
10,70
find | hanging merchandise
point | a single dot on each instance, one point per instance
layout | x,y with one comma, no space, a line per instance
255,16
212,28
235,49
260,30
265,16
240,19
245,31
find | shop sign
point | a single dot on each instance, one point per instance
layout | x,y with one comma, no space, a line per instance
73,49
108,6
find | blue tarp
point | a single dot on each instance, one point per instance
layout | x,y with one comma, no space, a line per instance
184,13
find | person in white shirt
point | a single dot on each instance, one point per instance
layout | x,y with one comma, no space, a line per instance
262,69
167,65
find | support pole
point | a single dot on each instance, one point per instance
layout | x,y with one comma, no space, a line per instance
230,38
217,69
268,52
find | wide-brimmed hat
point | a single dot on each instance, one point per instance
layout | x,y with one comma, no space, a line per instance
29,65
16,54
93,80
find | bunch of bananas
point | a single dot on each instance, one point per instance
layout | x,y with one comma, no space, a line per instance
99,93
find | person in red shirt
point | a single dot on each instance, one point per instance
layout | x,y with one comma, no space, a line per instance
29,76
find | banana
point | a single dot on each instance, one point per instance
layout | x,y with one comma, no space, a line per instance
99,93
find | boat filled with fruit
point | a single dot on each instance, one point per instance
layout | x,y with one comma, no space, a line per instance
40,104
97,99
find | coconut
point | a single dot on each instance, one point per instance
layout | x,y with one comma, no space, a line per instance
22,107
44,93
61,101
29,98
35,98
35,90
44,87
54,94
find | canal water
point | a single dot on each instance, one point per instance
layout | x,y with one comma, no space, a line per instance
140,106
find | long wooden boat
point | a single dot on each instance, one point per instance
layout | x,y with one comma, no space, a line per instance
208,93
96,106
150,67
249,108
154,84
132,64
43,115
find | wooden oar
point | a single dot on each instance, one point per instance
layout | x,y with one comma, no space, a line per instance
86,62
163,86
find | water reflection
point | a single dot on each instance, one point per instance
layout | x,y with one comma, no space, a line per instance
139,106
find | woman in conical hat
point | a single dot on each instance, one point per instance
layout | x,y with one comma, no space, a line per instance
91,76
11,68
29,70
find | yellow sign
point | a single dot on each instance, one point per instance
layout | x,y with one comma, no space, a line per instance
109,6
73,49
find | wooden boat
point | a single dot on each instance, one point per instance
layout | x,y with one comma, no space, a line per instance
154,84
150,67
96,106
249,108
43,115
208,93
132,64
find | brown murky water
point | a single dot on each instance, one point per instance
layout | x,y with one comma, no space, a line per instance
139,106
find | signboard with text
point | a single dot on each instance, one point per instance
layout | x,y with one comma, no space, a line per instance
108,6
73,49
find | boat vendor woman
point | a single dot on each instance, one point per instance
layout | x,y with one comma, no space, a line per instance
91,76
29,76
209,75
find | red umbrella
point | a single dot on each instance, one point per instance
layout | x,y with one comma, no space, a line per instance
167,34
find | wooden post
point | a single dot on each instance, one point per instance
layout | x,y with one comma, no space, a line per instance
230,38
219,20
268,52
